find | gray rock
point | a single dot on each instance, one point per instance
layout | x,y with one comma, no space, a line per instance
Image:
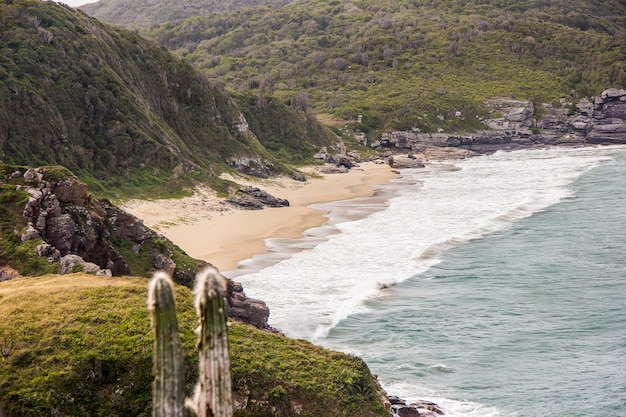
163,263
332,169
30,175
252,198
30,233
404,411
405,161
246,309
7,273
46,250
69,261
59,232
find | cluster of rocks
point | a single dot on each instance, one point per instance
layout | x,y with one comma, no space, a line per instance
78,231
601,120
399,408
253,198
337,163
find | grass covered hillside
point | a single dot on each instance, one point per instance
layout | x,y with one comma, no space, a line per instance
145,13
118,110
80,345
410,64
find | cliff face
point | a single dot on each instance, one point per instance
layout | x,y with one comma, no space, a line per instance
601,120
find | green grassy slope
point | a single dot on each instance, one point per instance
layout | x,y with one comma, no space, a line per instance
118,110
81,345
406,64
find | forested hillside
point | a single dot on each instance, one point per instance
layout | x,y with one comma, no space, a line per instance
145,13
410,63
118,110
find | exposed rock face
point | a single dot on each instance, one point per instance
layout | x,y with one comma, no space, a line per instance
598,121
69,262
608,123
246,309
7,273
252,198
79,228
78,232
253,165
516,114
338,163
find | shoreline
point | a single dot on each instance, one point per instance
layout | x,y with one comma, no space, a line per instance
224,236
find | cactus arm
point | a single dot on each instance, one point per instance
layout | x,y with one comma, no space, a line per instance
168,386
214,380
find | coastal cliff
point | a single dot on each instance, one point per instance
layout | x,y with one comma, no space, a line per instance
57,226
518,124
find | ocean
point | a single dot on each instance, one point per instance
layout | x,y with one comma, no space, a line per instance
494,286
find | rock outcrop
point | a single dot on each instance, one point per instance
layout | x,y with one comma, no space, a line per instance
405,161
83,234
399,408
253,198
601,120
76,229
247,310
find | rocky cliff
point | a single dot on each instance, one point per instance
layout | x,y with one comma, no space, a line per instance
518,124
61,225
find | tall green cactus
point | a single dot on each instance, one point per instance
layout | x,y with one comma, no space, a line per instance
168,395
214,381
213,396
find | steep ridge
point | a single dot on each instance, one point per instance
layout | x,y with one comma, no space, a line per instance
406,65
119,111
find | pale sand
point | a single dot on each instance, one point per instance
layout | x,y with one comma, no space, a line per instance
208,230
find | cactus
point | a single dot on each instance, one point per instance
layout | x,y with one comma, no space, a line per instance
213,396
168,395
214,381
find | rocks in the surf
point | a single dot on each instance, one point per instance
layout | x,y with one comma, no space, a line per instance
405,161
422,408
253,198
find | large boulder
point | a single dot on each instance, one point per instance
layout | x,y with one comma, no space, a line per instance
253,198
405,161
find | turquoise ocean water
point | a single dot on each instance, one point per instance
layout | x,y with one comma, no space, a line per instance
494,286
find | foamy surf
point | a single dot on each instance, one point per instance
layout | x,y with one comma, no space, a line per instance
310,291
332,276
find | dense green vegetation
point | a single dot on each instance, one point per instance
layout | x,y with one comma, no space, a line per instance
292,136
410,63
79,345
119,111
145,13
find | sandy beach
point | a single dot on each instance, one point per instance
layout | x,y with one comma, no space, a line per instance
209,230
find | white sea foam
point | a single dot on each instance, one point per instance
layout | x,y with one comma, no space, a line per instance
312,284
435,209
